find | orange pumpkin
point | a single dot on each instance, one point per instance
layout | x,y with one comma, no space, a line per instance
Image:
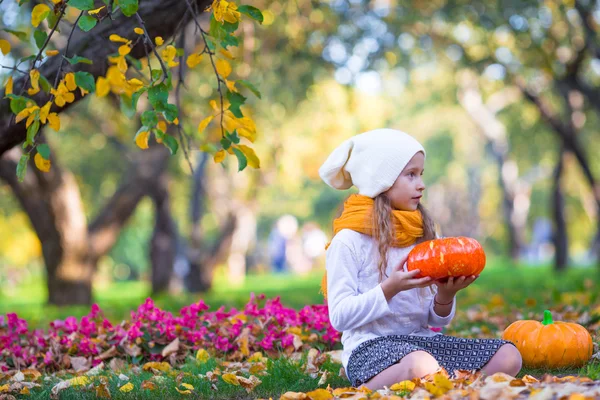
442,258
550,344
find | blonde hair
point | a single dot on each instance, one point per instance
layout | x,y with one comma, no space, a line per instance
384,229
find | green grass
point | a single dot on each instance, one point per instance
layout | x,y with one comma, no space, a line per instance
501,291
283,375
525,288
118,299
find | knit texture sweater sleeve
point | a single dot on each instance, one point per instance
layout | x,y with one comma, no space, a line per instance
348,308
435,320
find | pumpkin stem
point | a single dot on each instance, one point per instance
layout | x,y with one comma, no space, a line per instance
547,318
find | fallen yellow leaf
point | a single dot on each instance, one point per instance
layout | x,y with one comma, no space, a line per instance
160,366
293,396
231,379
128,387
404,385
202,355
319,394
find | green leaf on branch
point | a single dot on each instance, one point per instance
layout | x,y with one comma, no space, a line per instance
19,34
17,103
229,27
77,59
136,96
226,143
230,41
136,63
158,96
82,5
85,80
252,12
216,29
233,137
171,112
27,58
126,106
45,85
250,87
242,161
40,38
171,143
86,23
149,118
22,167
31,132
44,150
128,7
236,100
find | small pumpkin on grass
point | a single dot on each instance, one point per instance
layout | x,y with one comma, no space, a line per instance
443,258
550,344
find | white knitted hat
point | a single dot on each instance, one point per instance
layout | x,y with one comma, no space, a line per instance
370,161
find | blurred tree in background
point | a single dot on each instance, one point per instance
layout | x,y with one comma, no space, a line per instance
503,95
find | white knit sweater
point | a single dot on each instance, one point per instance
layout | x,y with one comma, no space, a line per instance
357,305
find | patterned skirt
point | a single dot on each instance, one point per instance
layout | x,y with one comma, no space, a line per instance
452,353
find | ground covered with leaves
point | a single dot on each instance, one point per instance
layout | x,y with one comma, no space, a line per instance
264,349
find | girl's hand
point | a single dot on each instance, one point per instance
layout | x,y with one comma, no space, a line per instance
448,289
400,280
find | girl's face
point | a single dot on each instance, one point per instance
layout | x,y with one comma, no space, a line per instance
405,194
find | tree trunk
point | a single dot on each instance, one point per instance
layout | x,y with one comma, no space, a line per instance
494,132
560,238
163,245
53,204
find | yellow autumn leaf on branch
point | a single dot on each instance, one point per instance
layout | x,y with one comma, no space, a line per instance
44,111
54,121
162,126
124,50
138,30
219,156
41,163
39,13
158,40
4,46
231,85
193,60
95,11
169,54
62,95
223,68
8,88
102,86
128,387
227,54
141,139
51,53
34,75
70,81
253,160
116,38
204,123
25,113
225,11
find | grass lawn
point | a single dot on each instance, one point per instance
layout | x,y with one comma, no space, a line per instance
502,294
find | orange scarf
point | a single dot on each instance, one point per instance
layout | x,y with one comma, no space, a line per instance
408,225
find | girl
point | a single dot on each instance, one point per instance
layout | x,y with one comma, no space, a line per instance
384,312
